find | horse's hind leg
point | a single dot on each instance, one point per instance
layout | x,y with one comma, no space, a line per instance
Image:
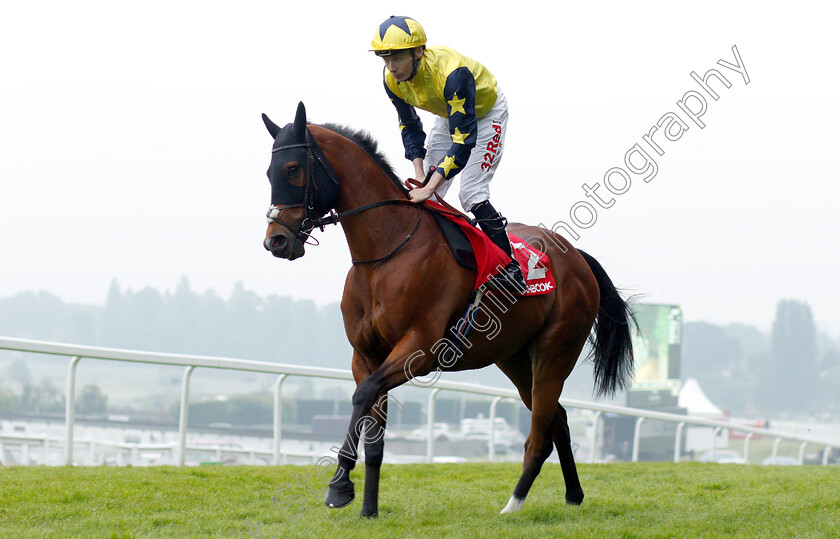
518,369
543,411
563,442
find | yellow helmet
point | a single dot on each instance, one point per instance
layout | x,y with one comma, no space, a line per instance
396,34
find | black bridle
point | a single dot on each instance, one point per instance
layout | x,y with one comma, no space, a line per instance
305,227
319,198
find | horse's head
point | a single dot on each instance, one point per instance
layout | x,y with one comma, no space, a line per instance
303,187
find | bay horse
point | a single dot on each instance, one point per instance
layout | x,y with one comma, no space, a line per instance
405,289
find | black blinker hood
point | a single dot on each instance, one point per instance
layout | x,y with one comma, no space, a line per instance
294,142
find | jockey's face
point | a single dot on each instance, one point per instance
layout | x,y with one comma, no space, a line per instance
401,63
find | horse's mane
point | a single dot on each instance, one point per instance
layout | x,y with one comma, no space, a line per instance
365,141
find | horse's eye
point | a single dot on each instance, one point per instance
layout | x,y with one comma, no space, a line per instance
292,171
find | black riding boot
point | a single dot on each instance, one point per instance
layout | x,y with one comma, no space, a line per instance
493,224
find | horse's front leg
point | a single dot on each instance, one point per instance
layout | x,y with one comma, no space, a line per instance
374,450
341,489
392,373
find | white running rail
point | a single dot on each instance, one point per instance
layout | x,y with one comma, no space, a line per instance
283,371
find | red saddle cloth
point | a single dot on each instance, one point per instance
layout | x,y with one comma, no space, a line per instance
535,267
490,258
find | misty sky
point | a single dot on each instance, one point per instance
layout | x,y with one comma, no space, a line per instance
131,145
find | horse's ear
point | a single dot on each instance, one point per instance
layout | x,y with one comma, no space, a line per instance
300,122
271,126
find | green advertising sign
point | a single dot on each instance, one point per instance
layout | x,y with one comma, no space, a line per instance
657,347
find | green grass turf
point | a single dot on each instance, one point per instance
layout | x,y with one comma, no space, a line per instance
462,500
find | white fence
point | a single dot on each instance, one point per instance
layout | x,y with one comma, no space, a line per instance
77,353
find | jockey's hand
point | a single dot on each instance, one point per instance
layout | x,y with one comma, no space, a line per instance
421,194
425,193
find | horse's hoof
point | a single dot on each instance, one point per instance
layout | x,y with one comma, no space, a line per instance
513,505
367,513
339,497
574,499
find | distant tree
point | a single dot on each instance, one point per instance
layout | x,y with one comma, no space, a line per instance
180,313
113,324
760,382
794,356
716,359
707,348
31,315
44,397
202,414
751,338
213,326
145,321
91,400
256,409
830,381
19,372
8,401
84,320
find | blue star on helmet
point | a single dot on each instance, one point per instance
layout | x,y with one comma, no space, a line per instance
399,22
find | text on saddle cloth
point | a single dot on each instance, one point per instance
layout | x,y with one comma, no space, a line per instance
535,267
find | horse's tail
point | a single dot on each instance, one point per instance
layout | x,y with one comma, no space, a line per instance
612,349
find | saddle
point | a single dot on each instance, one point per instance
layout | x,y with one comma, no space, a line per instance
472,249
458,242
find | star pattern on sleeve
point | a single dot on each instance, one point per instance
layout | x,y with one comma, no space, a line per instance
448,164
458,137
456,105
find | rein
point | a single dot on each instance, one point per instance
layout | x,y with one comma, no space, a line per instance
382,259
334,218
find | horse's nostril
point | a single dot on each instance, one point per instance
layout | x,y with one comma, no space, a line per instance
278,242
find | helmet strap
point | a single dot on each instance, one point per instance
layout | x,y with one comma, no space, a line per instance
415,63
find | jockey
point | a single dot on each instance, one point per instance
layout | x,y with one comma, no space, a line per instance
469,133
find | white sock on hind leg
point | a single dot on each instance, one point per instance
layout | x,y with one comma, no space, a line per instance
513,505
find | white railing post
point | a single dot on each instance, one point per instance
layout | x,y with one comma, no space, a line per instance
182,424
747,447
491,452
278,419
636,437
430,443
715,432
802,453
593,440
70,411
826,451
678,442
775,448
